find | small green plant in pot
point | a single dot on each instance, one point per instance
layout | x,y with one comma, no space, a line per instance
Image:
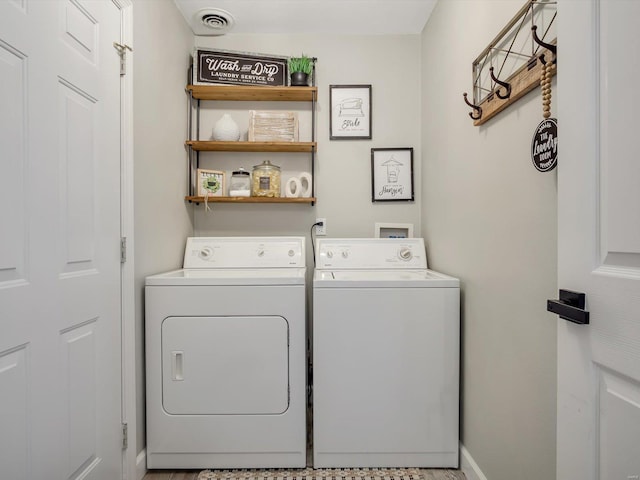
300,68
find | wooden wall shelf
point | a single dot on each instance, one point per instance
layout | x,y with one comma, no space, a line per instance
211,146
193,199
248,93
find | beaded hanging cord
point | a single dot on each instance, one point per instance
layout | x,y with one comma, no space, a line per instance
547,69
545,83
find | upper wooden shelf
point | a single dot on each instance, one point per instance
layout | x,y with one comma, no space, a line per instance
212,146
251,93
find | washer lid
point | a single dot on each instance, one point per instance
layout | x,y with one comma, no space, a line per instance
383,279
236,276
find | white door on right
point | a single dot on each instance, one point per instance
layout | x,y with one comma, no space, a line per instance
599,239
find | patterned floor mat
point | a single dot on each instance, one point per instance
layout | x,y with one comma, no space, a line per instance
314,474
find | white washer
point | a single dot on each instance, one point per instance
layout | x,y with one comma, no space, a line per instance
226,356
385,356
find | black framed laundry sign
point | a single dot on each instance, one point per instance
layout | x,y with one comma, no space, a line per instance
544,145
238,68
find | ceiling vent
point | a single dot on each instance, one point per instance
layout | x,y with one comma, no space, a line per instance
215,20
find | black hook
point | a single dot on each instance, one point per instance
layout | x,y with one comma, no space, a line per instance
475,108
552,48
506,85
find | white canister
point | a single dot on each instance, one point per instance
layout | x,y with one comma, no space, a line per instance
240,185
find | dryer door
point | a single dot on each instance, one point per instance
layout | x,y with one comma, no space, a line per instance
225,365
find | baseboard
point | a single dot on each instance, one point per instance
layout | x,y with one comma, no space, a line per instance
141,464
469,467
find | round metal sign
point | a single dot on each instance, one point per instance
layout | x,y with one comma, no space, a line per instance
544,146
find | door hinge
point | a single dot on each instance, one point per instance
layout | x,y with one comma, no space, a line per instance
122,51
123,249
125,436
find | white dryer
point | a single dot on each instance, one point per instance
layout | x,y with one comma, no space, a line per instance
385,356
226,356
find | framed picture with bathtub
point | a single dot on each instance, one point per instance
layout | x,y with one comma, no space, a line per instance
392,174
350,117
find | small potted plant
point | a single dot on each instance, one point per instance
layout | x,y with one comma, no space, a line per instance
300,68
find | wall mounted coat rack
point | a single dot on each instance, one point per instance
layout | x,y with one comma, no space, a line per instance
513,63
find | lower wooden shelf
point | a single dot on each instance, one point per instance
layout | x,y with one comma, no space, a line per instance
192,199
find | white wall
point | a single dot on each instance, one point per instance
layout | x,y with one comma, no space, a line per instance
162,44
343,167
489,218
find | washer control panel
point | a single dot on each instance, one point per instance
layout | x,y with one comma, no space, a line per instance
370,253
244,252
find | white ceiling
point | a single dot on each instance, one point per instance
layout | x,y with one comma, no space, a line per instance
358,17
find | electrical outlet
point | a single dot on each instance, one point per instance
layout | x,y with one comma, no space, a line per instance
321,229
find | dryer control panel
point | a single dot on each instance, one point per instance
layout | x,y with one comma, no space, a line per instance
370,253
244,252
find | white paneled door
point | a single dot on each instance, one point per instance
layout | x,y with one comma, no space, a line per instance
599,239
60,329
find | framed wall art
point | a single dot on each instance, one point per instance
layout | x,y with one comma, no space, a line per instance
210,183
350,117
391,174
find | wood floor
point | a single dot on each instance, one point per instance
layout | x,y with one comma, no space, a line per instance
430,474
171,475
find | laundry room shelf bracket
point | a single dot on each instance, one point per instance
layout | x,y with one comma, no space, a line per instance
511,65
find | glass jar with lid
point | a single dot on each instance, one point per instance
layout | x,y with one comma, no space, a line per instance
266,180
240,185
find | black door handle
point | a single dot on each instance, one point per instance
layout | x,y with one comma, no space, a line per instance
570,307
